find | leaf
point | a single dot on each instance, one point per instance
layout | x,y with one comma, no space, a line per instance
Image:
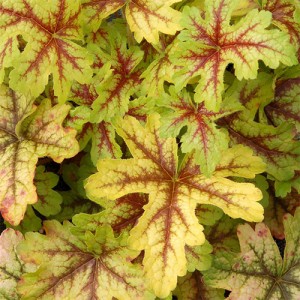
98,268
277,209
258,272
275,145
208,214
121,214
286,105
49,30
169,221
210,43
49,201
115,91
191,287
147,18
283,16
202,133
96,11
11,267
22,142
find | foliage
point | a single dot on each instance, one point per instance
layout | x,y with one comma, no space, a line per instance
149,149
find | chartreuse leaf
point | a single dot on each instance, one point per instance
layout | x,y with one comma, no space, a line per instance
202,133
22,143
210,43
286,105
115,91
169,221
275,145
259,272
98,267
191,287
48,200
49,30
11,267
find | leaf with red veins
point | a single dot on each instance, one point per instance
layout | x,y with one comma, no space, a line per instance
98,266
169,221
210,43
23,139
192,286
275,145
94,11
115,91
283,16
202,133
276,210
286,105
147,19
121,214
49,30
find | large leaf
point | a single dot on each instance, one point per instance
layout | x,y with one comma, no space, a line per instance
169,221
49,30
21,144
210,43
11,267
286,105
259,272
202,133
98,268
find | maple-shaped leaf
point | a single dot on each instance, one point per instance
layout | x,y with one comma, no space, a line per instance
169,221
202,133
259,272
23,142
121,214
275,145
48,200
276,210
49,30
11,267
95,11
192,286
210,43
97,268
160,69
286,105
284,17
115,91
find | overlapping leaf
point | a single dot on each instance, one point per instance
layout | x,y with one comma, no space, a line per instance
49,30
22,143
71,268
259,272
210,43
169,221
202,133
286,105
115,91
11,267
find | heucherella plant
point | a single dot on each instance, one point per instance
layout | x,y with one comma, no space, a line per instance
150,149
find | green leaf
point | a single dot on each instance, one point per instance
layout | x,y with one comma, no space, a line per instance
50,30
49,201
22,143
259,271
209,43
169,221
97,268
